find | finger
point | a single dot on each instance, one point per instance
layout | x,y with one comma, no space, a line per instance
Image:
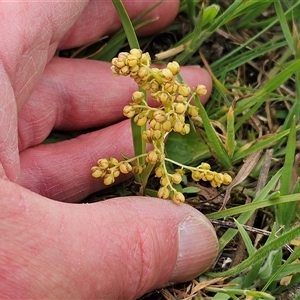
100,18
30,31
80,94
62,171
31,37
119,249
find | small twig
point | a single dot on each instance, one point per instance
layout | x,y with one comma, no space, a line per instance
246,227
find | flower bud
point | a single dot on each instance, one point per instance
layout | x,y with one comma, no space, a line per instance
163,193
103,163
109,179
138,169
163,97
154,86
167,126
159,116
176,178
166,75
193,111
181,99
96,172
136,52
116,173
115,70
209,176
152,157
219,178
181,118
138,97
125,167
145,59
164,181
118,63
113,161
178,197
140,121
124,71
200,90
179,108
227,179
204,166
184,90
196,175
174,67
155,125
114,61
123,56
156,134
128,111
143,73
178,126
171,87
146,136
159,172
186,129
132,60
134,71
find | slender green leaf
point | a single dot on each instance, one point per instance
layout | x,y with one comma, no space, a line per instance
284,25
215,143
285,212
127,24
248,243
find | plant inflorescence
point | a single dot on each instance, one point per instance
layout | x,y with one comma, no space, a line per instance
174,105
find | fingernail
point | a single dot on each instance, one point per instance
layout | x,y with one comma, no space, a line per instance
197,248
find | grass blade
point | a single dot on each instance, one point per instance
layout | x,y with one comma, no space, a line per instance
260,254
215,143
285,211
284,25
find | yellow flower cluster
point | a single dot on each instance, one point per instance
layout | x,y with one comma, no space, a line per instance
202,172
111,168
162,84
174,99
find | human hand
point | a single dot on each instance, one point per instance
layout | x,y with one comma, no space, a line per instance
120,248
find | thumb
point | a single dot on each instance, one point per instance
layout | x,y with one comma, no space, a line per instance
115,249
153,242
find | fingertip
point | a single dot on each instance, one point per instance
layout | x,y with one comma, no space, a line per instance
197,248
100,18
160,17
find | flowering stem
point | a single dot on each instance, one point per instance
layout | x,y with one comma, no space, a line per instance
139,144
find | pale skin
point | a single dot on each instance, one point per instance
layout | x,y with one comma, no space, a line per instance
117,249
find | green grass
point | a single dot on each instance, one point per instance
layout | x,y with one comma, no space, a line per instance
252,49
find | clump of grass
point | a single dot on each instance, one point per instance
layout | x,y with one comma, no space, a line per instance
250,126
